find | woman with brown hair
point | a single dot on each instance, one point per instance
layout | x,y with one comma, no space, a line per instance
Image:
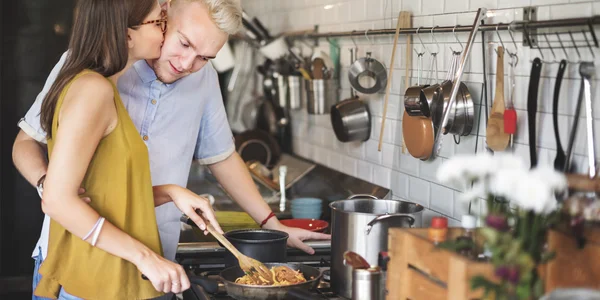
99,250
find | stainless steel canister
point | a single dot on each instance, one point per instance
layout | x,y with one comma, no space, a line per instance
321,95
296,93
282,90
367,284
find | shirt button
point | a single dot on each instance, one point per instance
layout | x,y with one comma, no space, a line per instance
145,138
153,101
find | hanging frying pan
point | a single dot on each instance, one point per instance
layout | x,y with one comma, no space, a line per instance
419,135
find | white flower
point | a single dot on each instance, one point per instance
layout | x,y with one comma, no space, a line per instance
505,161
466,168
478,190
504,175
528,190
555,180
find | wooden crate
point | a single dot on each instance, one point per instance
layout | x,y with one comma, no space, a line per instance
573,267
418,270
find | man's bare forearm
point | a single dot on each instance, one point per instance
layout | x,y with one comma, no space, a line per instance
29,156
233,175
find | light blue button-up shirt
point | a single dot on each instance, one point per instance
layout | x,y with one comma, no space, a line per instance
179,122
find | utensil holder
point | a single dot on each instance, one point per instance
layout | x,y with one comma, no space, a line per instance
321,95
297,92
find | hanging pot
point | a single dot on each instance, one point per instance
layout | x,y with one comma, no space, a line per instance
351,120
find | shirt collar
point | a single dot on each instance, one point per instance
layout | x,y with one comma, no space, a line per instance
145,72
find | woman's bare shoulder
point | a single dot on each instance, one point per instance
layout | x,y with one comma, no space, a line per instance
90,90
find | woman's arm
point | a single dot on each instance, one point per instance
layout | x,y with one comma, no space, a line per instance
197,208
85,118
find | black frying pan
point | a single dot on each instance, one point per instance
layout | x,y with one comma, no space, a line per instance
257,292
261,292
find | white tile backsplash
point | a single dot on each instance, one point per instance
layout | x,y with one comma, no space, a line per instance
409,178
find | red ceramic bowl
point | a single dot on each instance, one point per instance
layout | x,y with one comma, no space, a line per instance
308,224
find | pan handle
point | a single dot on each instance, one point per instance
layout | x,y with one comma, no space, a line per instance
410,218
302,294
209,285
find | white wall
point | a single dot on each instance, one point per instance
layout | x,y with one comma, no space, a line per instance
409,178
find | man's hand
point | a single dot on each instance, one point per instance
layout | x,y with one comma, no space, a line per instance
297,235
197,208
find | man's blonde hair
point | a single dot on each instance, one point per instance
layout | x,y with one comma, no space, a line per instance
226,14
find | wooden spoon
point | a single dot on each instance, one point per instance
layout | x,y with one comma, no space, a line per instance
497,139
355,260
249,265
318,66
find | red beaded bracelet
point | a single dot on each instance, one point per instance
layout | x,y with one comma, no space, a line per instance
272,214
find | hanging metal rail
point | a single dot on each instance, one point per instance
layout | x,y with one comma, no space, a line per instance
515,26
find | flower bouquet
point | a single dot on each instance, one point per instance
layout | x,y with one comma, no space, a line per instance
521,205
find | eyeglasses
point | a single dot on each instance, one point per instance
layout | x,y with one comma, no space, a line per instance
162,21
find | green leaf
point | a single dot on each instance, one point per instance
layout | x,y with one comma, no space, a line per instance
547,256
490,235
538,289
488,286
514,249
456,245
523,291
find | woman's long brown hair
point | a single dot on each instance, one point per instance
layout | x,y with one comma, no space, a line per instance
98,43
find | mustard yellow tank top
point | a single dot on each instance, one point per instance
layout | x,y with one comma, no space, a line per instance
119,184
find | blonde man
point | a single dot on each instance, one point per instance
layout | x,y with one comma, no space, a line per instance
176,105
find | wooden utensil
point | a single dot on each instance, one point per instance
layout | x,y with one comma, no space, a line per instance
249,265
355,260
402,20
406,23
497,139
318,66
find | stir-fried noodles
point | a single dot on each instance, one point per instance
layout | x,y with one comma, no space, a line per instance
282,275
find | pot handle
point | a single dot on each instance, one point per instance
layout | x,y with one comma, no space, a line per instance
387,216
362,196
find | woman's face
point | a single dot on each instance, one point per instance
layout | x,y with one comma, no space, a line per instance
147,39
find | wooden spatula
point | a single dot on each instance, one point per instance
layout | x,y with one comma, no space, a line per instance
497,139
249,265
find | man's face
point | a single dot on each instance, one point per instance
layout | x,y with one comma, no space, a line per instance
191,40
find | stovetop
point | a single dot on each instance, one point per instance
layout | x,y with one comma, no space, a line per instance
323,290
207,259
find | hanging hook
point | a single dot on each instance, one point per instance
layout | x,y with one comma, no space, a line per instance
588,43
562,46
354,42
575,45
437,44
513,56
457,40
423,46
550,46
499,38
367,37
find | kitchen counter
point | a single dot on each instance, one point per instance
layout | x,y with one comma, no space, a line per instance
321,182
